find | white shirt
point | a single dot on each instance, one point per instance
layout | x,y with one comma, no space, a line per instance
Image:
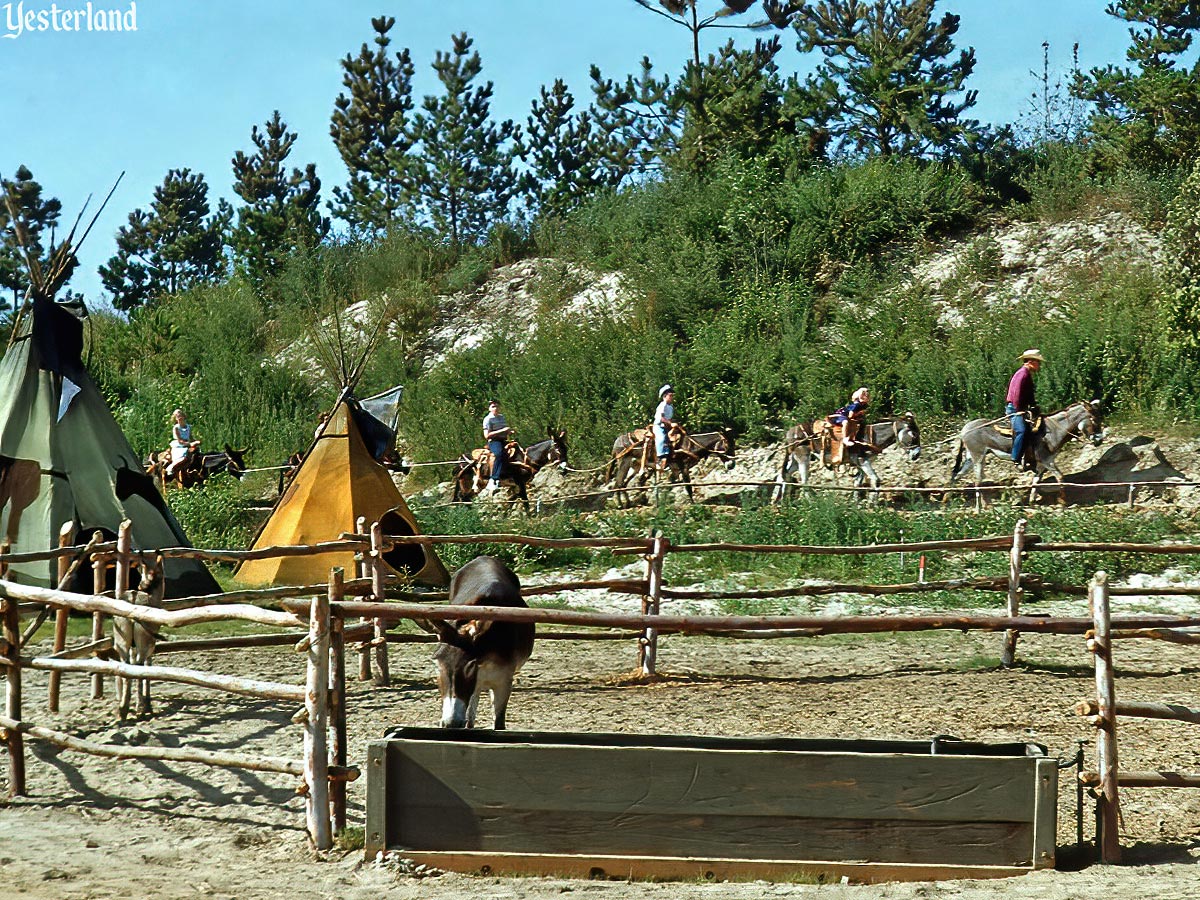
664,414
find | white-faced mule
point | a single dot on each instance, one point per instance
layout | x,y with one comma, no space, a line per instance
480,655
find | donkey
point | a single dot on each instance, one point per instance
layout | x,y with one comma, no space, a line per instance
636,450
520,465
633,450
480,655
803,444
978,439
197,467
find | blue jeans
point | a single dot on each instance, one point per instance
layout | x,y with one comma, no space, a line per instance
496,448
1020,427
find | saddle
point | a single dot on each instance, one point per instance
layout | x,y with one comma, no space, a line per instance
513,454
827,442
1004,427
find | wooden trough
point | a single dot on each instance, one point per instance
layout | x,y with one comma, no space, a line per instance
687,807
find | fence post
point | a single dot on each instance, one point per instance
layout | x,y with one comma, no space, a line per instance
1015,592
382,674
337,715
364,649
316,705
122,568
66,536
651,602
1108,804
98,570
12,692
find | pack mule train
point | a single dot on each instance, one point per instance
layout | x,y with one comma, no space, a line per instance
806,443
480,655
520,465
979,438
633,457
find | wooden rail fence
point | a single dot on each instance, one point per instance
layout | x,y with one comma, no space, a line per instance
1104,710
314,619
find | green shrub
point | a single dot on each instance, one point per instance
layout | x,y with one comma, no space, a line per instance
217,515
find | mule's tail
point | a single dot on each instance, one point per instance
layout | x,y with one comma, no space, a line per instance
610,470
958,458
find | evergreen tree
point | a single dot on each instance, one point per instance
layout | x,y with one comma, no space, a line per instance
371,131
686,13
640,118
888,79
744,110
465,178
282,209
177,243
568,156
1150,113
34,217
678,117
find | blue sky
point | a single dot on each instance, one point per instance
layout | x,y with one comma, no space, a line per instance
184,90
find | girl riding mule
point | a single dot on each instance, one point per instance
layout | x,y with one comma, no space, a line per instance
979,438
803,444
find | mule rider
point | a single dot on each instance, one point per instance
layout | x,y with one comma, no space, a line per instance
182,444
1019,403
852,415
495,433
664,423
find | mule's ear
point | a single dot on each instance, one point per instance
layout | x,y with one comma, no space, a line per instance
1095,404
562,435
550,432
228,449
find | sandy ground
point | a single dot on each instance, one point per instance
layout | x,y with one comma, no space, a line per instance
99,828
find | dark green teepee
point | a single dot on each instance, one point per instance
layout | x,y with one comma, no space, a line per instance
63,457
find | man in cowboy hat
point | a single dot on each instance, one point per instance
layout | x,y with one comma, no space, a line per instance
1018,402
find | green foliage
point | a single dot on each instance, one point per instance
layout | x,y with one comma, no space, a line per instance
282,209
216,515
25,217
889,79
371,130
1150,114
568,156
464,176
175,244
1183,242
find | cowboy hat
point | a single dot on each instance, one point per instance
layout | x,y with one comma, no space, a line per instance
665,389
1033,354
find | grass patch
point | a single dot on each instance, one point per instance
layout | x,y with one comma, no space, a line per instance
353,837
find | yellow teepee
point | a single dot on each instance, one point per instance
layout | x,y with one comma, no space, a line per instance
338,482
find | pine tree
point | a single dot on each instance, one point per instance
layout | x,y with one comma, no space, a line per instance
888,79
640,119
177,243
567,154
465,179
658,119
371,130
35,217
282,210
1150,113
